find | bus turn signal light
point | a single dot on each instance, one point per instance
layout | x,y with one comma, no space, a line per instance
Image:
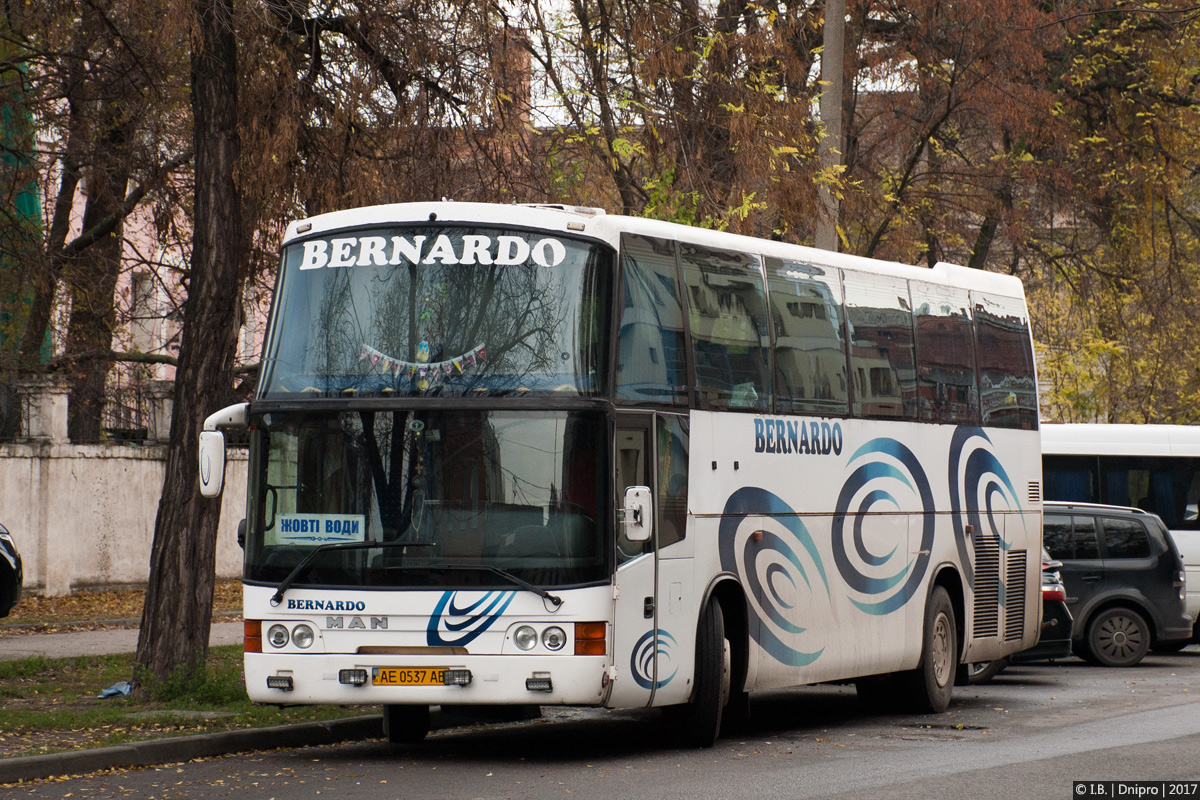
252,636
591,638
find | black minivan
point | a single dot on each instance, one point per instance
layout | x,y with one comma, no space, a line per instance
1124,579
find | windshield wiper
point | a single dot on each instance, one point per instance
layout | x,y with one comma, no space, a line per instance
508,576
304,565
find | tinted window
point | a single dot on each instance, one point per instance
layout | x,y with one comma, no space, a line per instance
1008,393
882,371
1071,479
1056,536
946,347
1086,544
633,469
727,315
1125,538
1164,486
652,366
810,359
672,478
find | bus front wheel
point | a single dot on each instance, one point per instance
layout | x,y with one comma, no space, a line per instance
698,722
405,724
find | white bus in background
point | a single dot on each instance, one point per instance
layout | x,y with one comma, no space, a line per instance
1152,467
524,455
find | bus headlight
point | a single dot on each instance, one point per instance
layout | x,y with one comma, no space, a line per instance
277,635
554,638
525,637
303,636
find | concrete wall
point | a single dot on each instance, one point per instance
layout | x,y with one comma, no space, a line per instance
83,515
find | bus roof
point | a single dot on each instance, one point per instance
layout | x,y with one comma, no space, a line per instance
1091,439
596,224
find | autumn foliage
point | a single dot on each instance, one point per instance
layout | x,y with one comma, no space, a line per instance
1052,140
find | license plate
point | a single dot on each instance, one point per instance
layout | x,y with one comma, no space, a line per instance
408,676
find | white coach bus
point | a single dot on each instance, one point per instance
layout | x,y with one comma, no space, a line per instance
539,455
1152,467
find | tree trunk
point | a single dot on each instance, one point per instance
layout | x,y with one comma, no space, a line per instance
92,277
173,641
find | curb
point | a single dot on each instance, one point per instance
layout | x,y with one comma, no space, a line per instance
185,748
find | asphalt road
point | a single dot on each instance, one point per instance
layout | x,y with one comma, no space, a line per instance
1030,734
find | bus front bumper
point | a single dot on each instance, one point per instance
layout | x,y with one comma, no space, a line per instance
349,679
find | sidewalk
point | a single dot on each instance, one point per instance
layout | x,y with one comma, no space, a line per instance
159,751
96,642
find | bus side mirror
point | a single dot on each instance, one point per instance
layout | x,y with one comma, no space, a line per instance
212,463
639,514
212,447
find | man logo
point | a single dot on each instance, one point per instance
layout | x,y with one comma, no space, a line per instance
457,621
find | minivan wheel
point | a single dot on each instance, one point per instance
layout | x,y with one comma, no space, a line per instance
1118,637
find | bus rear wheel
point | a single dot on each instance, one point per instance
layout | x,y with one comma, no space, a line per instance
931,684
698,722
405,724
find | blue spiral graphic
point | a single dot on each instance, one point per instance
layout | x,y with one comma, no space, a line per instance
648,649
771,613
976,473
463,623
883,477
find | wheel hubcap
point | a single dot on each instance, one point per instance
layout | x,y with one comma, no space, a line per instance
1119,637
940,651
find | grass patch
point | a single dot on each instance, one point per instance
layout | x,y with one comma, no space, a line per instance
50,705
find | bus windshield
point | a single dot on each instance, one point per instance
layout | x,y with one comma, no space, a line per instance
438,311
442,492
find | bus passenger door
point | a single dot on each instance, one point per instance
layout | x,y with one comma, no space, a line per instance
636,602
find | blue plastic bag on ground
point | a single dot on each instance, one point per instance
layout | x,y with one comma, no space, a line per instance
121,689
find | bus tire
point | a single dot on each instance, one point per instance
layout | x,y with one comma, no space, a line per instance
698,722
405,724
931,684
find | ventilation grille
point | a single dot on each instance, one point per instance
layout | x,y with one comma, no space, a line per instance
987,587
1014,595
1035,492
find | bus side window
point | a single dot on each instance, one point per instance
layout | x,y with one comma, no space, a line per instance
652,366
1008,393
810,348
672,494
946,346
728,320
631,471
1191,510
882,363
1072,478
